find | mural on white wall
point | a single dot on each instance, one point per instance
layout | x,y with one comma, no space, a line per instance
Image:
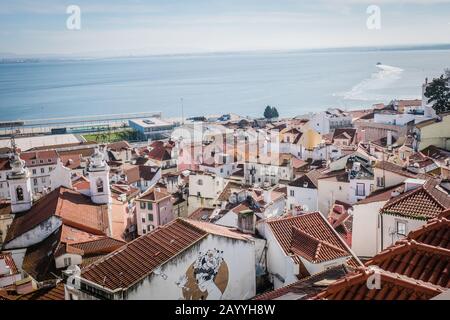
206,278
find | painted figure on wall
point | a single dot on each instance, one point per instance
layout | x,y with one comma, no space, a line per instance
206,278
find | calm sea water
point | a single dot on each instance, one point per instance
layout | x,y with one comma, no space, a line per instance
296,83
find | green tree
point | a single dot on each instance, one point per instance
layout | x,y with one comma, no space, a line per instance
268,112
271,112
438,92
275,113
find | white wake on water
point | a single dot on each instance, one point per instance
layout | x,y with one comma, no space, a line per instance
366,89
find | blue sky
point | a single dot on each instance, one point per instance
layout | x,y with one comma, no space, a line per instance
138,27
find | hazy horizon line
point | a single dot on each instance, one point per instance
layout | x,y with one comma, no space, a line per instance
92,56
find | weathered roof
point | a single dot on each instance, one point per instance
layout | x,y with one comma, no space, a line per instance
74,208
307,287
392,287
50,293
137,259
308,236
424,202
414,268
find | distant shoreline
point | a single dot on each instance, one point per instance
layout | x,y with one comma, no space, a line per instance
19,59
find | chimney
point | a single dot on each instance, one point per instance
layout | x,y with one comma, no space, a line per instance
389,138
246,221
267,196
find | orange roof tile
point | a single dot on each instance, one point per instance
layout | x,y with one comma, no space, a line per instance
424,202
392,287
301,235
74,208
416,261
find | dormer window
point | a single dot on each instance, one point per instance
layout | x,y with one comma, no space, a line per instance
99,185
19,194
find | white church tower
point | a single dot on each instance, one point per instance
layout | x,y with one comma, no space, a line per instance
19,185
98,174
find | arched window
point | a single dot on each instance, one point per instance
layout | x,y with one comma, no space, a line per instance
19,194
99,185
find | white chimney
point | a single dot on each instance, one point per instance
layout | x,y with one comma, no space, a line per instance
267,196
389,138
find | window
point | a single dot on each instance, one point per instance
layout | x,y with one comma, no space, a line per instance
143,220
35,182
150,217
99,185
142,205
144,231
149,206
36,190
149,228
380,181
67,261
34,171
19,194
200,182
360,189
42,170
41,161
291,193
50,169
49,160
43,180
401,228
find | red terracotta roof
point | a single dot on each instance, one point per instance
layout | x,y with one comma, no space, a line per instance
154,194
414,268
391,167
425,202
159,153
71,161
134,173
82,183
119,146
307,287
74,208
39,260
435,233
392,287
102,245
300,236
52,293
201,214
312,249
416,261
139,258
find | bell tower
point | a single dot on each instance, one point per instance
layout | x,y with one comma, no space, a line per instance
98,173
19,185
